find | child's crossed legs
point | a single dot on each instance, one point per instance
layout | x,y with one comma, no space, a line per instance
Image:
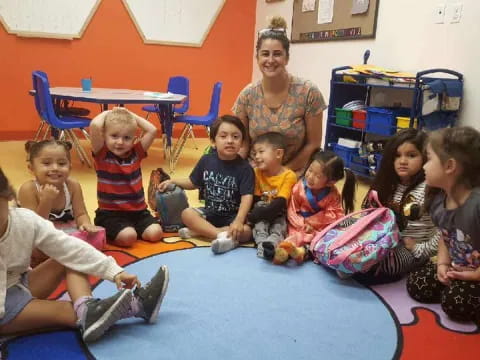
214,228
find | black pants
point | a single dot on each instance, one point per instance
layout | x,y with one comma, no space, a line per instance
460,300
395,266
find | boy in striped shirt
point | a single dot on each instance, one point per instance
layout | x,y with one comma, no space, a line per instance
122,209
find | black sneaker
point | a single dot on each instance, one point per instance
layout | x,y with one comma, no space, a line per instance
267,250
101,314
150,297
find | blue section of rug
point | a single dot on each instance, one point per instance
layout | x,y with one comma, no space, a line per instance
237,306
51,345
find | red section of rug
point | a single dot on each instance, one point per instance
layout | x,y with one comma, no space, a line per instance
426,340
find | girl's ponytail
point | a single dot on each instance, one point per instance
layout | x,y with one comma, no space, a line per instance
348,191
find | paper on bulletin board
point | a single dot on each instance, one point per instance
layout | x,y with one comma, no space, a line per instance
359,6
325,11
308,5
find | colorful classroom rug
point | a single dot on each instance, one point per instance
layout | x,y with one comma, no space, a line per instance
237,306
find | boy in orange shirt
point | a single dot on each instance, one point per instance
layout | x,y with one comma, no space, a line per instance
273,186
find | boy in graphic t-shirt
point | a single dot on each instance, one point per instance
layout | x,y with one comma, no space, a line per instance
227,182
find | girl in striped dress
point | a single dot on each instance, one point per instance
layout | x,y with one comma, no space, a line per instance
400,184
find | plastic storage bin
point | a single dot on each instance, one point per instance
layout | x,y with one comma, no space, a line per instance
360,160
345,153
343,117
359,118
378,159
360,169
403,122
383,121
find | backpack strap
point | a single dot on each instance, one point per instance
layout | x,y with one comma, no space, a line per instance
313,200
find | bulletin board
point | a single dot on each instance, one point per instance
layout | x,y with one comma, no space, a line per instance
174,22
344,25
61,19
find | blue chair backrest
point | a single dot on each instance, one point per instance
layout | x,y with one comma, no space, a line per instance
35,97
215,102
180,85
43,99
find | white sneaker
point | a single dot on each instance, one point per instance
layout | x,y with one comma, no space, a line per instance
223,243
184,233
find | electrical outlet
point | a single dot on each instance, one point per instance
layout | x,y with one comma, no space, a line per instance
439,14
456,12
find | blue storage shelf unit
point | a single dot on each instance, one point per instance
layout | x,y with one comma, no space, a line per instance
381,122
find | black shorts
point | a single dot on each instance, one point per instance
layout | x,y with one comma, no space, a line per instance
215,220
115,221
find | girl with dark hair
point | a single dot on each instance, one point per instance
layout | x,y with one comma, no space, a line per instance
453,167
53,193
281,102
315,203
400,184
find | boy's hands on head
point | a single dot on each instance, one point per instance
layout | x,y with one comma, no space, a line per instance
48,193
126,280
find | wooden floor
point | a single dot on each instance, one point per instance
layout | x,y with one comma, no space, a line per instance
13,163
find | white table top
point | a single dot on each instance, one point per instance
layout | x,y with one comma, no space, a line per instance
115,96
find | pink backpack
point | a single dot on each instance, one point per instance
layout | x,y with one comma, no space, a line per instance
356,248
97,240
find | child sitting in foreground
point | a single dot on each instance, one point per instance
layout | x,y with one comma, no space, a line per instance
452,169
273,187
227,182
23,304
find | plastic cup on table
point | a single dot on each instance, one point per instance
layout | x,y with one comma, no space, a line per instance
87,84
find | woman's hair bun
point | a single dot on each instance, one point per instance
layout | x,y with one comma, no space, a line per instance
277,22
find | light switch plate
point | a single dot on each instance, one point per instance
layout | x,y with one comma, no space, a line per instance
439,14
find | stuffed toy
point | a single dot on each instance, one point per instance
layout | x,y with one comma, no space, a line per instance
286,250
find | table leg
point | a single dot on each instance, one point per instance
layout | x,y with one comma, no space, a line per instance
166,114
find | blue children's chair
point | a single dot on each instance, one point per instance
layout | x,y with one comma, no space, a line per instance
61,126
191,120
176,85
65,110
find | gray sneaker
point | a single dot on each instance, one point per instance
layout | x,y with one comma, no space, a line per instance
150,297
101,314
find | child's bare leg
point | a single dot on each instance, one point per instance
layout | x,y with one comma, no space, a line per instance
41,314
153,233
45,314
126,237
197,224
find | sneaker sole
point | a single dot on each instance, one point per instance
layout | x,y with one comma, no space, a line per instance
153,317
110,317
